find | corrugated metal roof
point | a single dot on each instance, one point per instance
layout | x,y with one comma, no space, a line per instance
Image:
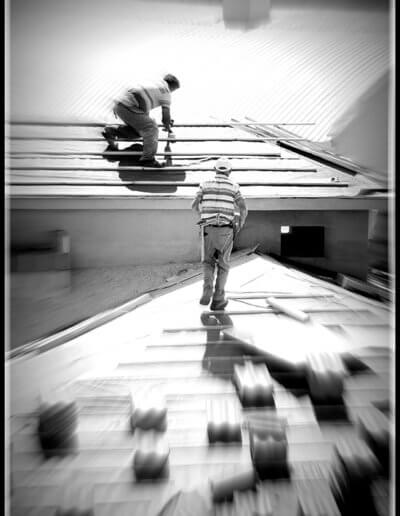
308,63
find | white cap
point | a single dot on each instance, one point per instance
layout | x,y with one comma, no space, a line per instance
223,165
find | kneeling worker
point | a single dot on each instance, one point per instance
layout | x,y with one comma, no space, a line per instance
134,107
216,201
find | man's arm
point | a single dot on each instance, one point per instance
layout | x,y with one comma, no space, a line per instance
196,204
166,117
197,200
241,204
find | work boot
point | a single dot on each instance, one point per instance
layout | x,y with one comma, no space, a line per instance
219,302
206,296
151,163
108,134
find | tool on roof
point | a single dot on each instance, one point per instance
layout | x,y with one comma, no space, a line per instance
171,139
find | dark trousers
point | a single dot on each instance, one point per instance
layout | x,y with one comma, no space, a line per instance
144,125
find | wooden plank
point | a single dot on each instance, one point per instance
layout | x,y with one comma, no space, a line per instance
176,155
191,167
286,198
174,183
198,328
99,124
189,343
175,140
280,296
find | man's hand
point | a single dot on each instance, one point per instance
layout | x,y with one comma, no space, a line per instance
196,205
167,125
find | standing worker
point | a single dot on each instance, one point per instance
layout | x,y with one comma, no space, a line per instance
134,107
216,202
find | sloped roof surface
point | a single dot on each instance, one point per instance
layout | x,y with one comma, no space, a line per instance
172,347
309,63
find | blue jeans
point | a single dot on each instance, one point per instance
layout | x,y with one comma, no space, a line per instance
143,124
218,243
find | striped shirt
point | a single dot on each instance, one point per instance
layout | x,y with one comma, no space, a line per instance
147,97
217,199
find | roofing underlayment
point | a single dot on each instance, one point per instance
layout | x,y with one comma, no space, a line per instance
171,347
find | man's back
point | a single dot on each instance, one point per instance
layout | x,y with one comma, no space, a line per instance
148,96
218,197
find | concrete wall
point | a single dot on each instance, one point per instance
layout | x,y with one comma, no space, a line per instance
380,248
346,237
105,238
101,238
